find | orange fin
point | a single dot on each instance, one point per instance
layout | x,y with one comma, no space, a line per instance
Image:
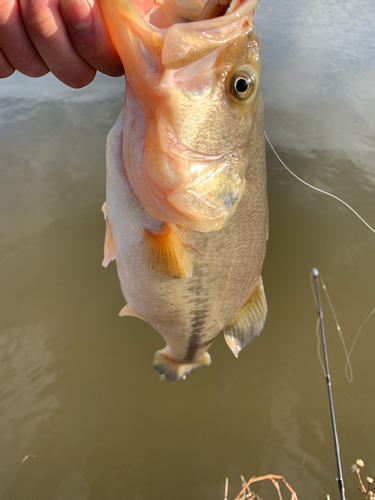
166,252
129,311
109,246
248,322
173,370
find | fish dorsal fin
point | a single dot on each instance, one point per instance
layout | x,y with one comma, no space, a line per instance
167,252
248,322
129,311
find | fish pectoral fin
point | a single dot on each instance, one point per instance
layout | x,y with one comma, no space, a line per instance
129,311
167,252
173,370
109,245
248,322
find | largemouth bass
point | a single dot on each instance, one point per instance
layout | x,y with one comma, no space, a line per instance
186,209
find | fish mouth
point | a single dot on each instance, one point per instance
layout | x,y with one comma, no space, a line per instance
199,11
204,36
158,37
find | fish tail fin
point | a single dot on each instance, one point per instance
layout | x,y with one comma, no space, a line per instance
173,370
248,322
167,252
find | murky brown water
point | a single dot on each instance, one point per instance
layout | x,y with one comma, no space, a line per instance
77,387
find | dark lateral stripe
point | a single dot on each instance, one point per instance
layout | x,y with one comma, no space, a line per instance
198,321
197,327
194,346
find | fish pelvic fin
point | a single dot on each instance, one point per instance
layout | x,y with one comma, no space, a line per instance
248,322
173,370
109,244
167,252
129,311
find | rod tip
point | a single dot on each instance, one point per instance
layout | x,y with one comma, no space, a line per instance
315,271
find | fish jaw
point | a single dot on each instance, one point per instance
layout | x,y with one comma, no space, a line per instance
175,75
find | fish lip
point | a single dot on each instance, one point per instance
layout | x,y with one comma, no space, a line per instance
245,7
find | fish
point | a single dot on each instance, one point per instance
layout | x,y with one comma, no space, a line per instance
186,191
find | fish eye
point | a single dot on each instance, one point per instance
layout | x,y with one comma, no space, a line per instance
241,85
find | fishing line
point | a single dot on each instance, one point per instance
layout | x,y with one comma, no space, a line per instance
319,352
317,189
327,375
359,331
348,366
318,348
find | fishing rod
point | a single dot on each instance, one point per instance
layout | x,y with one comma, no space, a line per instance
340,478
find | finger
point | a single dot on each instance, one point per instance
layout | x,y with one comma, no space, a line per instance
89,35
46,28
15,42
6,69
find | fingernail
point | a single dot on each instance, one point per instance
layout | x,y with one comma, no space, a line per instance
78,14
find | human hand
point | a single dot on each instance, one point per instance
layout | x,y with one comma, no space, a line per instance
67,37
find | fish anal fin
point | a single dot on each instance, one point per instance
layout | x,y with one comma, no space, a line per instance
109,245
248,322
129,311
173,370
166,252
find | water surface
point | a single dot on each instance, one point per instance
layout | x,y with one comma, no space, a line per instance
77,387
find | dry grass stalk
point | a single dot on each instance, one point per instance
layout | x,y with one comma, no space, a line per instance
226,489
247,494
276,485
